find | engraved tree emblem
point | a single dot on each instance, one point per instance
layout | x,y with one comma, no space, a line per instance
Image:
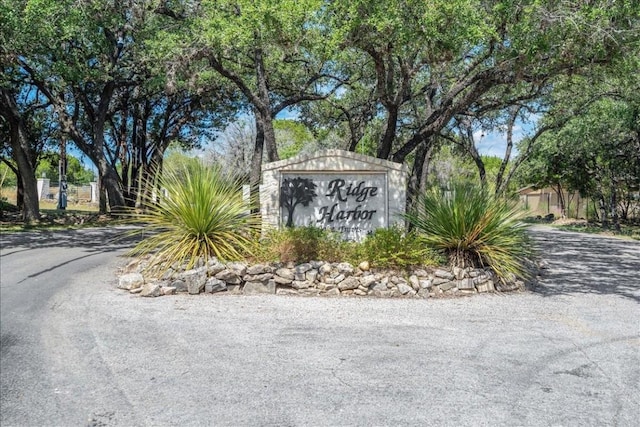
294,192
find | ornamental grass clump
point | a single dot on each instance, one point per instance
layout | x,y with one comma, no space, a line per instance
200,215
474,228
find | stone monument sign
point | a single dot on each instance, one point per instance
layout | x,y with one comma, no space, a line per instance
333,189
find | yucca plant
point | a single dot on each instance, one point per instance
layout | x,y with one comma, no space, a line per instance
475,228
200,215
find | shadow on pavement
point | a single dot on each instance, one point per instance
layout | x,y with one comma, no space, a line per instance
587,264
103,239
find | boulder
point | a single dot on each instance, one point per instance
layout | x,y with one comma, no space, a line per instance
364,266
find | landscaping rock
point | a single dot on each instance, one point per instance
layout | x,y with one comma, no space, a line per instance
348,284
253,288
264,278
486,287
214,268
285,273
444,274
194,280
311,275
414,282
421,273
214,285
440,281
237,267
366,281
256,269
300,284
229,276
167,290
303,268
317,264
130,281
325,269
364,266
425,283
180,285
379,287
447,286
404,289
282,281
150,290
345,268
465,284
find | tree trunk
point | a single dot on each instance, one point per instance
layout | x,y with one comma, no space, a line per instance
561,201
21,152
256,158
264,109
386,142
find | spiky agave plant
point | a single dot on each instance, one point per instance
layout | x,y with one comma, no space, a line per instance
475,228
201,214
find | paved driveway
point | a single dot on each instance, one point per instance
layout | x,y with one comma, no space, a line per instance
567,353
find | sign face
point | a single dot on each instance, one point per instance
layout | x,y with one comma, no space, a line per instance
353,204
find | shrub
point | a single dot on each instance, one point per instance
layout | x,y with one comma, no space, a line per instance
303,244
474,228
393,248
202,215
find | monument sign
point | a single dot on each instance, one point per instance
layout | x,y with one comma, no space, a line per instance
333,189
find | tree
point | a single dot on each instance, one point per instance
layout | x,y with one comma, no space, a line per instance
270,50
439,59
22,153
597,152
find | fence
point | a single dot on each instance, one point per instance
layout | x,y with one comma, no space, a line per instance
76,193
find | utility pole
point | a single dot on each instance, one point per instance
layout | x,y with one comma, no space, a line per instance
62,174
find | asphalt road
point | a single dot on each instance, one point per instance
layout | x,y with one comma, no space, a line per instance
76,351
